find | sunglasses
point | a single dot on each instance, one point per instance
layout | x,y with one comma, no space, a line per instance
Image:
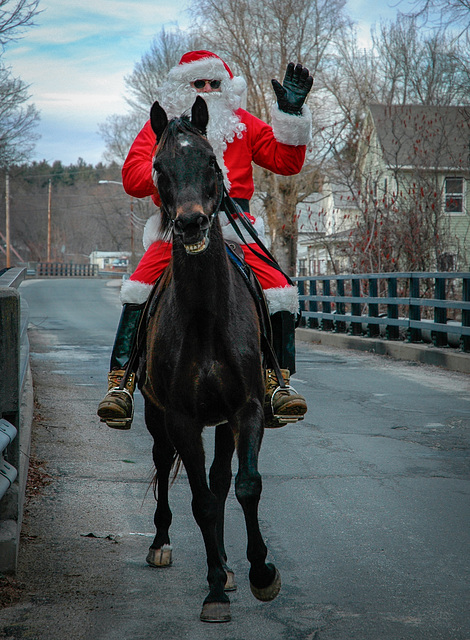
214,84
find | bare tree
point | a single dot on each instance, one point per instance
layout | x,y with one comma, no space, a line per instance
165,52
85,215
258,38
18,120
119,131
15,17
419,66
445,13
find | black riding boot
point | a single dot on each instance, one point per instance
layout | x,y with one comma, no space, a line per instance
283,326
283,405
117,407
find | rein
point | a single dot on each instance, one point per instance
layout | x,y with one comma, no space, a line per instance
234,212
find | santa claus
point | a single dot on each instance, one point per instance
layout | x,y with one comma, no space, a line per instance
238,139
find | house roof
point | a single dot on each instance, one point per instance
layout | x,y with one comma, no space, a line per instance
431,137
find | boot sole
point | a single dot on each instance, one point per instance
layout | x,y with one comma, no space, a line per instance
108,413
292,409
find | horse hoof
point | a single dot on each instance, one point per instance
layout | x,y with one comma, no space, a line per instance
268,593
216,612
230,584
160,557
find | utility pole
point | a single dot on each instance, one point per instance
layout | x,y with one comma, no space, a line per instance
7,219
49,221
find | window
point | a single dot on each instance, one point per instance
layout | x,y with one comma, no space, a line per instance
302,268
453,195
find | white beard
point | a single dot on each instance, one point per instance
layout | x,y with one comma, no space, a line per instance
223,125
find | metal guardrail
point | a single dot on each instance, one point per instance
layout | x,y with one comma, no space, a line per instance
62,270
362,304
14,365
8,472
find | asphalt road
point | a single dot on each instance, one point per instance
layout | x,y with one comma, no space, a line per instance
365,506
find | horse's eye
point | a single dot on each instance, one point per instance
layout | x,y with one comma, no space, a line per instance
212,161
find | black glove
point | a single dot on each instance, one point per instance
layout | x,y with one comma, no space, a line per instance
292,92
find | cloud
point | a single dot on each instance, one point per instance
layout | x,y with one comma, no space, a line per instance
75,61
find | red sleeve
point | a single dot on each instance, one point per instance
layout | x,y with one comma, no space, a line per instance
267,152
137,169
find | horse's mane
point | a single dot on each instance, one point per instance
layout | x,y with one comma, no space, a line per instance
181,124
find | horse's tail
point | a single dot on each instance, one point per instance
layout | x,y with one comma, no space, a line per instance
175,468
174,471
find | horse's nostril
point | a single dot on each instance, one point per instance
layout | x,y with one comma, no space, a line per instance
190,222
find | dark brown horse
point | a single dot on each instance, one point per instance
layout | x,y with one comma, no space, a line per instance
204,363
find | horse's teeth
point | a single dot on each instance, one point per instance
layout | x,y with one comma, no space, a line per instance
195,248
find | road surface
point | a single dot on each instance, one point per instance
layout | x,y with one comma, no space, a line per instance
365,505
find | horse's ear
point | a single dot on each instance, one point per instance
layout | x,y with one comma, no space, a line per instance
158,120
200,115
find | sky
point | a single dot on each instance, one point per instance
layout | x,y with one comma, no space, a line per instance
76,58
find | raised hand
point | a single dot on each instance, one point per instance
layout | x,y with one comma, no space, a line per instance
291,94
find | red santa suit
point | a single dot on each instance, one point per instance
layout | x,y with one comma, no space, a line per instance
238,139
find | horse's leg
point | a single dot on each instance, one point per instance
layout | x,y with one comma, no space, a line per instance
160,551
265,581
188,442
220,478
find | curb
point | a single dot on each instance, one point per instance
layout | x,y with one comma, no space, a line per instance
426,354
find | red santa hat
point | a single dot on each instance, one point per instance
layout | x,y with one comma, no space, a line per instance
196,65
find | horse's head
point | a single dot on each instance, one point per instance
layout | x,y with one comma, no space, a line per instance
187,176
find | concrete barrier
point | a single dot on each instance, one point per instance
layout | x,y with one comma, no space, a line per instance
448,358
16,412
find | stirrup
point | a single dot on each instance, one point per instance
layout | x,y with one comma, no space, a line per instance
283,419
120,423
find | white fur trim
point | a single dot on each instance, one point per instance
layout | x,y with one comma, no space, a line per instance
231,235
282,299
209,68
292,129
152,230
135,292
204,68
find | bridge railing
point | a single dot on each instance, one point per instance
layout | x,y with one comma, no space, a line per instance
411,306
14,427
66,270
